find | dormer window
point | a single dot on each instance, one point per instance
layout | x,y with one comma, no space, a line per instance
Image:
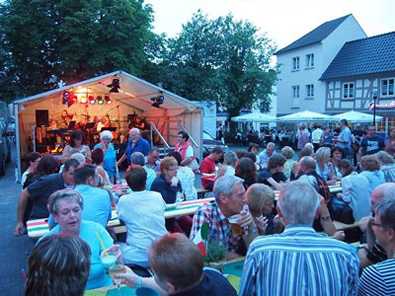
295,63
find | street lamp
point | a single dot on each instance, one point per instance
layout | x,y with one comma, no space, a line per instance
374,107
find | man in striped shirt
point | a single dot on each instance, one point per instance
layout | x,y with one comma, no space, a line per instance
299,261
379,279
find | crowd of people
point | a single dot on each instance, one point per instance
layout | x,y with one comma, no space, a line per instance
274,207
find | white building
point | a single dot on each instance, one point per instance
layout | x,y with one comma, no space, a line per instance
302,63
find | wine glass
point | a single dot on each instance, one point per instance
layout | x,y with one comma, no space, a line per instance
111,259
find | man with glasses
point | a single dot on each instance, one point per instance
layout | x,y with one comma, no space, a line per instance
379,279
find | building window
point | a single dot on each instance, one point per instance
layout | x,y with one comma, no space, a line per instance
387,87
310,60
310,90
348,90
295,91
295,63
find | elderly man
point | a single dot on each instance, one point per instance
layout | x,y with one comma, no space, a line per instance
379,279
373,252
39,192
229,201
299,260
264,156
136,143
137,160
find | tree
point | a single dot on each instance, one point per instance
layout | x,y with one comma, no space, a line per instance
221,59
53,41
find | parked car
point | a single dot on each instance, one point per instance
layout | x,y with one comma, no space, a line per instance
209,142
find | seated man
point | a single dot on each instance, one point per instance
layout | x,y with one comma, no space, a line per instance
178,270
229,200
273,175
143,213
299,259
39,192
373,252
97,201
264,156
379,279
137,159
208,168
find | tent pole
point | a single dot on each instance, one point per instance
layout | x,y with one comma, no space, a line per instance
18,168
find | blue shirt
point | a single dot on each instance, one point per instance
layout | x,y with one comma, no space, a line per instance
378,279
299,261
151,175
98,240
356,191
141,145
375,178
97,204
345,137
110,160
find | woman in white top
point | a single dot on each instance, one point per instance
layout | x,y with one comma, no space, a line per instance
186,177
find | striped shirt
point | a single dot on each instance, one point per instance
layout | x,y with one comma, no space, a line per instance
378,279
300,262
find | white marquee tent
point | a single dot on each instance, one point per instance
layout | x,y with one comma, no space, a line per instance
355,116
305,116
255,117
134,97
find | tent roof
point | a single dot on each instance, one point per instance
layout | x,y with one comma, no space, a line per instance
133,91
254,117
306,116
355,116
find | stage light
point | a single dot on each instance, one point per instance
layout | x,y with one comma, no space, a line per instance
92,100
107,99
158,100
114,86
100,100
83,99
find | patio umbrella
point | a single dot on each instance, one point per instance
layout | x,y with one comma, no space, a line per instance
255,117
305,116
355,116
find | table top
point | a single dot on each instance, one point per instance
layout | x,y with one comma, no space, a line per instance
38,227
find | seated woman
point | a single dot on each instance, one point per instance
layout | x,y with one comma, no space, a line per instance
324,167
65,206
75,146
246,170
290,163
186,177
370,166
143,212
58,265
260,200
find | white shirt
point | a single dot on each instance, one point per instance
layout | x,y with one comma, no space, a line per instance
316,135
187,179
189,152
144,215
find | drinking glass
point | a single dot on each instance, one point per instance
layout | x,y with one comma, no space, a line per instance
111,258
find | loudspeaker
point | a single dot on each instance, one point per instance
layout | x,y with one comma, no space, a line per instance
42,117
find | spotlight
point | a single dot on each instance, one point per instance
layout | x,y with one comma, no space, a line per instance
158,100
107,99
114,86
92,100
100,100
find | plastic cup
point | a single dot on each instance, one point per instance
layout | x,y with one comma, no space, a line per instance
237,230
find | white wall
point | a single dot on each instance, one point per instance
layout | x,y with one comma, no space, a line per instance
324,53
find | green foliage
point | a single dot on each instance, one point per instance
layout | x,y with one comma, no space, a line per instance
45,42
221,59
